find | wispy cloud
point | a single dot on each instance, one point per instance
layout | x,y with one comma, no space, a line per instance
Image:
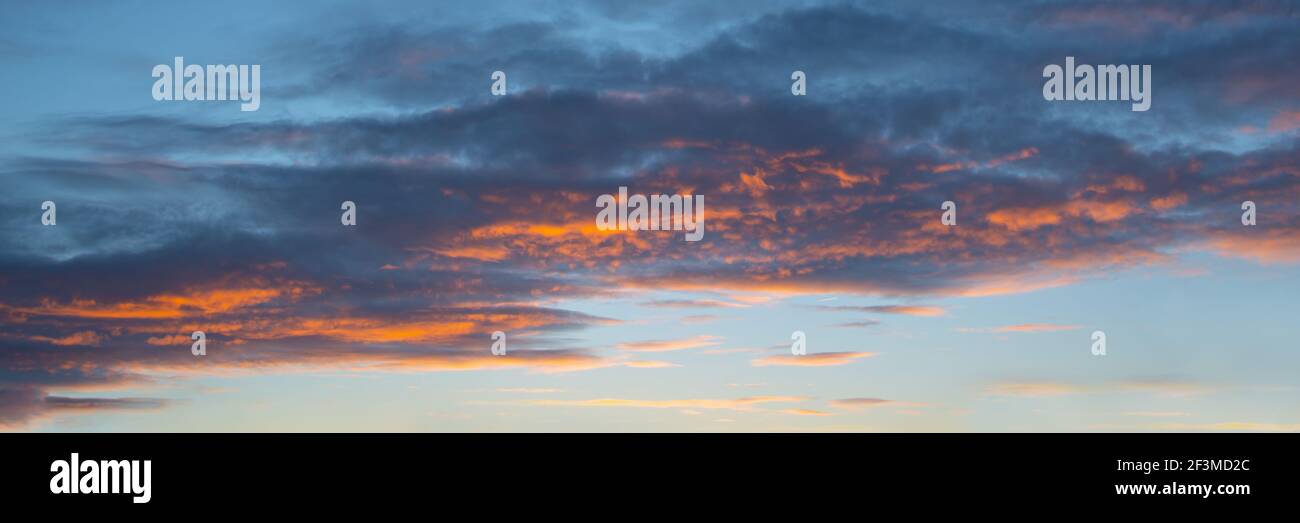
526,390
858,324
21,407
908,310
820,359
671,345
702,303
804,412
1156,386
651,364
738,404
1024,328
1032,389
1235,426
869,403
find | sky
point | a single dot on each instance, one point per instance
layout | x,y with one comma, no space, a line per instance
476,213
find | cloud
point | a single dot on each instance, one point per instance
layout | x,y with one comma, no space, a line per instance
1163,386
738,404
1032,389
526,390
858,324
714,304
804,412
19,407
866,403
671,345
1026,328
909,310
90,338
651,364
820,359
1233,426
1157,414
1278,246
1036,327
1158,386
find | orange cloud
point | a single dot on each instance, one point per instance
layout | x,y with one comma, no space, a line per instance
909,310
477,252
820,359
362,360
1027,327
1032,390
1157,386
1026,153
1165,203
1100,212
1023,219
78,338
1163,387
168,305
1023,154
804,412
695,303
1266,246
671,345
169,340
865,403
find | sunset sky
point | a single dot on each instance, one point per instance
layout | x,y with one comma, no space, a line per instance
822,215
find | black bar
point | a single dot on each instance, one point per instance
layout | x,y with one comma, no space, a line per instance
563,472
